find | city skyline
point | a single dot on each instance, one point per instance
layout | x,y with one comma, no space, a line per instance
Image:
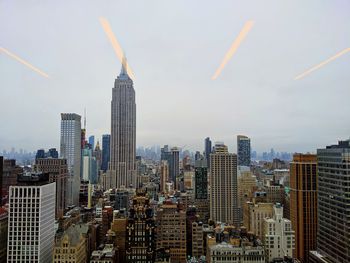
180,59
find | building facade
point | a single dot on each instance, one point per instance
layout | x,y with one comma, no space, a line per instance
122,165
31,219
223,186
279,237
303,203
171,231
106,141
207,150
243,150
174,167
3,234
333,234
58,171
72,246
140,231
70,149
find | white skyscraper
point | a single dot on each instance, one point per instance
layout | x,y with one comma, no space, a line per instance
71,150
278,235
31,219
122,165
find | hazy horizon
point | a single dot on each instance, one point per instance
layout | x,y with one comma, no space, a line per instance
174,48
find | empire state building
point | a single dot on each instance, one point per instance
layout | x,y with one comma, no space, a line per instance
122,163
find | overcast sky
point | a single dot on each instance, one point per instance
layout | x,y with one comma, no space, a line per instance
174,48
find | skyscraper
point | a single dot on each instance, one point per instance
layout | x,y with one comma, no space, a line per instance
71,151
223,186
303,203
333,238
174,167
122,164
171,230
106,140
207,150
201,179
243,150
31,219
92,141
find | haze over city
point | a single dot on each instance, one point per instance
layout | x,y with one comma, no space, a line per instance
174,48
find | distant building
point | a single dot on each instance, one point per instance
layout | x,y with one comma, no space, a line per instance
333,237
278,236
207,150
164,175
171,231
140,231
223,186
232,245
174,167
106,141
92,141
254,216
247,185
201,196
107,255
71,151
72,246
58,171
32,201
303,203
10,172
89,166
41,154
243,150
197,240
118,226
121,199
201,179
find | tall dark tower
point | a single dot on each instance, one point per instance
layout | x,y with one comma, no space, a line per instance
207,150
122,163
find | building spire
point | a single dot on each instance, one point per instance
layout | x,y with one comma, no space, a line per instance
124,70
85,119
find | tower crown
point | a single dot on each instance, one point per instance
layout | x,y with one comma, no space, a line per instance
124,70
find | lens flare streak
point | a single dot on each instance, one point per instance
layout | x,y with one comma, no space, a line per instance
115,44
322,64
234,47
27,64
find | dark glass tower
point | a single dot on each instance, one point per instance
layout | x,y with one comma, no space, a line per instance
201,179
106,140
207,150
243,150
333,237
